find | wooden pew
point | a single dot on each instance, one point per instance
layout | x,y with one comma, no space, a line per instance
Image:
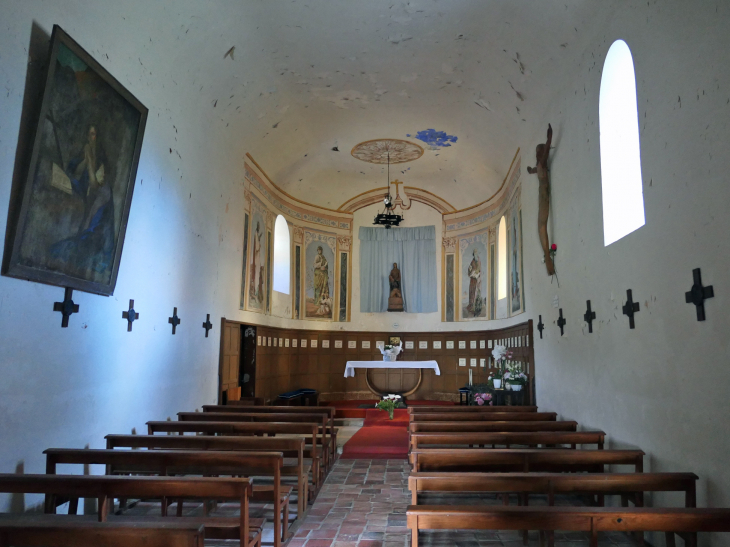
482,416
424,409
624,484
307,430
682,521
106,488
329,410
290,448
523,460
42,531
485,426
247,401
545,438
186,462
328,437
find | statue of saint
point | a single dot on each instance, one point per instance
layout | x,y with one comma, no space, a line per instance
395,300
543,176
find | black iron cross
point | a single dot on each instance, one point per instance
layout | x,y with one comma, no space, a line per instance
174,320
699,294
630,308
207,325
589,316
561,321
540,326
131,316
67,307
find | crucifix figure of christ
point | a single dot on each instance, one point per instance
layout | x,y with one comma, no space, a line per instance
543,176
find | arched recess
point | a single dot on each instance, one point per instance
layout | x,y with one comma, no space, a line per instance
502,260
282,256
621,183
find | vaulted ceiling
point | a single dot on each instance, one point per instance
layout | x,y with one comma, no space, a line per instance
307,76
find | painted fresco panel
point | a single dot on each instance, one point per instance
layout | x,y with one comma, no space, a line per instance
450,288
515,259
319,259
257,263
268,272
297,280
473,256
343,287
245,260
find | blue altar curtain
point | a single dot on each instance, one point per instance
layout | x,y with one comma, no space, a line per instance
414,250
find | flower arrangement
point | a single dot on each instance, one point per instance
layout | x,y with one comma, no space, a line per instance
514,375
501,355
390,352
389,403
483,398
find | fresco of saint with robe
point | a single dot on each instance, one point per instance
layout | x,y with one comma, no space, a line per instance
474,304
319,281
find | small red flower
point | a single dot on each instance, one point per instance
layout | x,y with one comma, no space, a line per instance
553,247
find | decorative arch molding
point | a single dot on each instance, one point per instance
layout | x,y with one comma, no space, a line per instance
412,194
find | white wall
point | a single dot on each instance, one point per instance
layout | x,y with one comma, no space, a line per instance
664,386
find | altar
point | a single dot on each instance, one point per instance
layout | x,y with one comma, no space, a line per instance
383,380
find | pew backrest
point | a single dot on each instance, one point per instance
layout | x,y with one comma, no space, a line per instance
551,438
483,416
488,426
424,409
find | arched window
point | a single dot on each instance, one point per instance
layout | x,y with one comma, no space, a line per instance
282,256
623,198
502,260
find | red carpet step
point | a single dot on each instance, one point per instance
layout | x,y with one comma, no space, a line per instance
379,438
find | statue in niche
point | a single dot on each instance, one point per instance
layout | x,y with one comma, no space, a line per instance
395,300
543,176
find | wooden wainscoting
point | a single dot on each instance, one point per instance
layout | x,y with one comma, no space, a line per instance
319,358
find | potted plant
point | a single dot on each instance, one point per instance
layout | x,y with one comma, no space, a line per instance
501,355
389,403
482,399
495,379
514,377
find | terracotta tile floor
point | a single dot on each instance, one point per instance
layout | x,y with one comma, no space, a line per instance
363,504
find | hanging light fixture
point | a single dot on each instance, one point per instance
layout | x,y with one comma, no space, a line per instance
387,217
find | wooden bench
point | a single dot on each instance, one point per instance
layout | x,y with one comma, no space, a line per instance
106,488
424,409
185,462
247,401
431,427
533,439
523,460
628,485
329,410
42,531
290,448
328,434
483,416
307,430
682,521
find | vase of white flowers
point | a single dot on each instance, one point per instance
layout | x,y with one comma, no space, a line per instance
389,403
514,377
390,353
500,354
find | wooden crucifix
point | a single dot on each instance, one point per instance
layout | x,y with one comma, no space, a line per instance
698,294
540,326
174,320
630,308
207,325
589,316
67,307
561,321
131,316
542,152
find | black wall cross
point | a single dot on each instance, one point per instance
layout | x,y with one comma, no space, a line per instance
540,326
630,308
699,294
561,321
207,325
174,320
131,316
67,307
589,316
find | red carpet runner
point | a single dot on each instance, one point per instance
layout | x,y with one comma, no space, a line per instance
379,438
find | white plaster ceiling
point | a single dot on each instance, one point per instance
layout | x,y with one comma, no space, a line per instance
308,75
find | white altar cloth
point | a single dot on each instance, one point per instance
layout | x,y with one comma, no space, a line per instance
352,365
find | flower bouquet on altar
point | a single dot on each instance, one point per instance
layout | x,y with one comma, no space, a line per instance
500,354
390,353
389,403
514,377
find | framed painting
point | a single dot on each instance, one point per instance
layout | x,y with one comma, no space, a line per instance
72,217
